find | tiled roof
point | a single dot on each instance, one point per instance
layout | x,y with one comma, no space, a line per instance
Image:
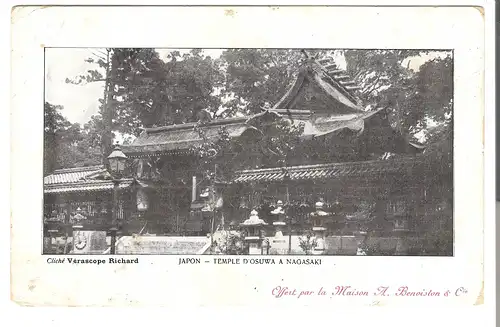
183,137
81,179
325,171
86,186
180,138
71,175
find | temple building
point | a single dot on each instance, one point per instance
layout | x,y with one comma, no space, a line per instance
314,161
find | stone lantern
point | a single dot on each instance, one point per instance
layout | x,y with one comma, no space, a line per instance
254,238
279,223
279,241
318,220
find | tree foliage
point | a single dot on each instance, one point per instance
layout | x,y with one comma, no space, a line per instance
256,77
146,91
65,144
308,242
270,143
230,243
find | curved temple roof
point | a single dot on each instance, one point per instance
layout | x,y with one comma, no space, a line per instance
337,89
180,138
342,111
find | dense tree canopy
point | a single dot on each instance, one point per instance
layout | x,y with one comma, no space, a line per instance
66,144
256,77
412,97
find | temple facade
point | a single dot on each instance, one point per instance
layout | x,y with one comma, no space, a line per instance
345,172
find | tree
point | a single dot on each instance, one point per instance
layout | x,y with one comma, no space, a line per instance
151,92
376,70
434,94
58,133
271,143
193,80
412,98
256,77
230,243
308,242
65,145
142,90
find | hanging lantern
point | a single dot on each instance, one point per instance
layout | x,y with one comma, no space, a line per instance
142,200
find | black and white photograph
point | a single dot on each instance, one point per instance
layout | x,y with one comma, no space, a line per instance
248,151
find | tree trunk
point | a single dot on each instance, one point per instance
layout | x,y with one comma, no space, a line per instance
108,110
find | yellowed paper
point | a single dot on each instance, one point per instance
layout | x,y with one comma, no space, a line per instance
254,281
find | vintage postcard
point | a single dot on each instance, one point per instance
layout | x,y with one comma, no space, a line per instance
323,156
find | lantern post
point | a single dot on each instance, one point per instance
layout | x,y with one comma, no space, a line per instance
116,161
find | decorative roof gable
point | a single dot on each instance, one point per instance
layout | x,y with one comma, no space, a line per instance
321,86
